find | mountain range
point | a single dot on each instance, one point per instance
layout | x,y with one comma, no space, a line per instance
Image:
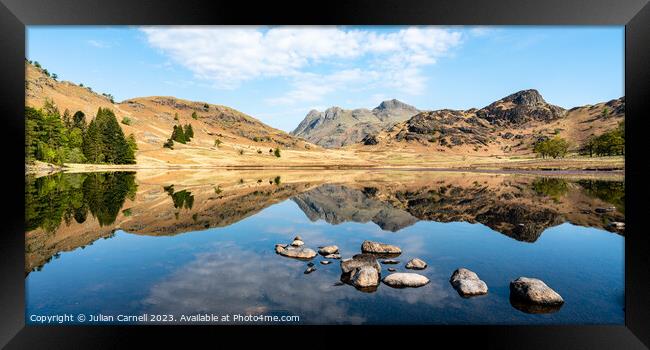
337,127
391,134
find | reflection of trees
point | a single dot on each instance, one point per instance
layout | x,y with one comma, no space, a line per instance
550,187
612,192
51,199
182,199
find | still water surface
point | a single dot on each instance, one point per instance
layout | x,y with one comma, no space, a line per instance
182,243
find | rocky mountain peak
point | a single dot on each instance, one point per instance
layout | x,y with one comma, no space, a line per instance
529,97
520,107
394,104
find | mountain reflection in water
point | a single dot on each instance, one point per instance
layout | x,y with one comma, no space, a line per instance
67,211
187,242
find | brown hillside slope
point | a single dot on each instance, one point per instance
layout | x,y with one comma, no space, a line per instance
244,139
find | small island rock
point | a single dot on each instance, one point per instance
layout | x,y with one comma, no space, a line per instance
365,276
327,250
379,248
534,291
416,264
362,271
294,252
404,279
467,283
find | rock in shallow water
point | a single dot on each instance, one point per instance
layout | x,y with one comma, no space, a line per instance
392,269
379,248
358,261
310,270
297,243
534,291
294,252
404,279
362,271
467,283
390,261
365,277
325,262
416,264
332,256
327,250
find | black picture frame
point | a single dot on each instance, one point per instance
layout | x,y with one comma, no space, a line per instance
634,14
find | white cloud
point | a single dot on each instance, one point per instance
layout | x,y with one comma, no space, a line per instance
316,60
98,44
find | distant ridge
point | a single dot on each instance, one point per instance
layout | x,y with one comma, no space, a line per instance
337,127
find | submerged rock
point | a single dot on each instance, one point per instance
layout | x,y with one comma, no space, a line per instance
310,264
392,269
332,256
294,252
362,271
379,248
467,283
390,261
534,291
416,264
405,279
327,250
310,270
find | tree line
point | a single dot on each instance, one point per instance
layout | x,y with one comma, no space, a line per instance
610,143
607,144
54,138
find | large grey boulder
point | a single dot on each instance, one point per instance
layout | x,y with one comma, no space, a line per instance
405,279
534,291
362,271
358,261
379,248
467,283
416,264
294,252
365,277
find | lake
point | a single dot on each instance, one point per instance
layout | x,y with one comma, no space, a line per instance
174,243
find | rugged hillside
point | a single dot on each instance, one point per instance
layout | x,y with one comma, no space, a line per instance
510,125
336,127
242,139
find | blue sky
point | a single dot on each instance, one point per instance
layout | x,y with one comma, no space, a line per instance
278,74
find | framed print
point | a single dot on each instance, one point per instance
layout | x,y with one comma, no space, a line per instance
359,169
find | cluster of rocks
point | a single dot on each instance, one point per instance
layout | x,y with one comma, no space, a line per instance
363,271
297,250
